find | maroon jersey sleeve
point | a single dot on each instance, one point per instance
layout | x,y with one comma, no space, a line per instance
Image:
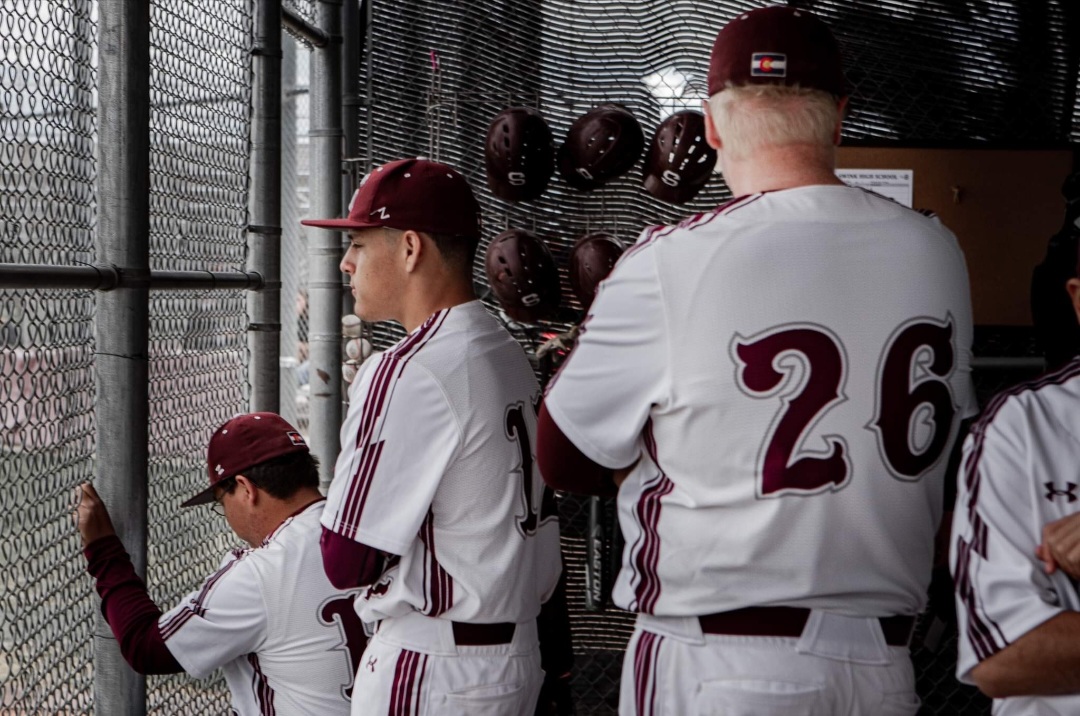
131,613
566,468
349,564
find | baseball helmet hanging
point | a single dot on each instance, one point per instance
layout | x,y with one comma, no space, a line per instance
602,144
680,161
523,276
519,154
591,260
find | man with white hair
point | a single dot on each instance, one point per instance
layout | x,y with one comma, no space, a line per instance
772,388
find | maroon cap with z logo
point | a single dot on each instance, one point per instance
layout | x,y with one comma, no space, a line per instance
416,194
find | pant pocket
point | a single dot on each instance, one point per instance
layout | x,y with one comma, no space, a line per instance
758,697
495,700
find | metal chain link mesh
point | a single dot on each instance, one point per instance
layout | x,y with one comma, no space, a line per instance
200,86
295,388
928,72
47,213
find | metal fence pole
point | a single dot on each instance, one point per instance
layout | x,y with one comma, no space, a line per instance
264,208
122,322
324,247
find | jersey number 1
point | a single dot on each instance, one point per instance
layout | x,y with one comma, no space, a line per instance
914,404
518,432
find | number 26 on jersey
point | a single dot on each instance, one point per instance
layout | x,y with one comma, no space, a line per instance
806,366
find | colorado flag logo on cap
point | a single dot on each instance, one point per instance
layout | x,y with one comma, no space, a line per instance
768,64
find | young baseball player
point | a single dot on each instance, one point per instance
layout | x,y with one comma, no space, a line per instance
776,384
1019,626
435,502
287,641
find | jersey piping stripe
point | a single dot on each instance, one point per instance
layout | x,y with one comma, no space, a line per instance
264,693
389,370
372,408
405,692
173,624
984,640
647,560
693,222
438,585
648,648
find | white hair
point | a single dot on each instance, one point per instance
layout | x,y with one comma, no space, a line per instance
750,117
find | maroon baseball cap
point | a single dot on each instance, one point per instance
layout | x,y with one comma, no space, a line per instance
777,45
416,194
244,441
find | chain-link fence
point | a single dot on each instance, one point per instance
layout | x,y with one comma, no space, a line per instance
200,98
295,364
200,86
935,72
47,214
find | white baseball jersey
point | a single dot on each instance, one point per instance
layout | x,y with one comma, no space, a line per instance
285,638
1019,473
437,467
791,369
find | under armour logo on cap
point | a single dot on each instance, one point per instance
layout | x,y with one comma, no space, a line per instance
243,441
1068,493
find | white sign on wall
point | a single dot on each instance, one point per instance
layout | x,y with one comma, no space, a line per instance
896,184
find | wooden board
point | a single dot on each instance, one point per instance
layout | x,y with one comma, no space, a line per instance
1002,204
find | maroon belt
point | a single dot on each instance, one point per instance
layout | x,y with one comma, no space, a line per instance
483,634
789,621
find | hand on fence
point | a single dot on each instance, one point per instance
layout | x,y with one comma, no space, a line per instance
91,517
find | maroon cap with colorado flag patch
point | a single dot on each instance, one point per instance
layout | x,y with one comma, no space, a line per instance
777,45
244,441
416,194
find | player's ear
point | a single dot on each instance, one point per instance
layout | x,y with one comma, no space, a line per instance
412,248
842,108
245,489
1073,287
711,135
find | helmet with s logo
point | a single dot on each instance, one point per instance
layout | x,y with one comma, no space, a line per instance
602,144
523,276
680,161
519,154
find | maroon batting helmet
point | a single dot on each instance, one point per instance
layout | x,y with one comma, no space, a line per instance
680,161
591,260
523,276
519,154
601,145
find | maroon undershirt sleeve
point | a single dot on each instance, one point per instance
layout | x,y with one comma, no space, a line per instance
127,607
347,563
566,468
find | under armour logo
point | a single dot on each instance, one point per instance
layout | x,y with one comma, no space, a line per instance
381,211
584,172
219,470
371,664
1069,492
